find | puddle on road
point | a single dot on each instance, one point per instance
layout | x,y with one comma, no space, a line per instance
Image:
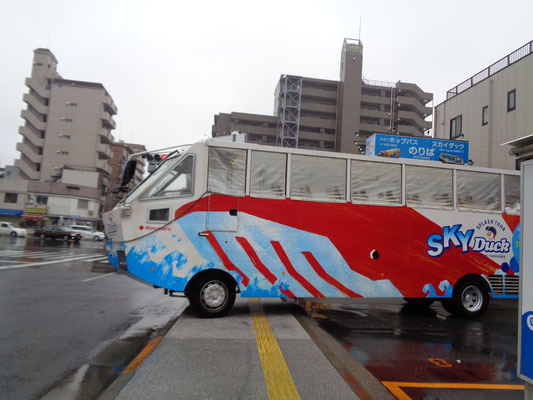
92,379
401,343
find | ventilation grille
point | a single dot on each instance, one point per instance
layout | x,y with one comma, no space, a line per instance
501,284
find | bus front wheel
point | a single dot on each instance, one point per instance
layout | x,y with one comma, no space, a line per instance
212,295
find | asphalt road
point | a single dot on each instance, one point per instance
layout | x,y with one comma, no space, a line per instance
59,307
425,353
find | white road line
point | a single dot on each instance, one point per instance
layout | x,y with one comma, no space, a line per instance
96,277
99,258
12,261
59,261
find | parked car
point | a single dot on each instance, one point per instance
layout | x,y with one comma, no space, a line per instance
7,228
57,232
88,232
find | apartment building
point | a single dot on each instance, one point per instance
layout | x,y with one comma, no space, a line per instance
334,115
121,151
65,147
492,111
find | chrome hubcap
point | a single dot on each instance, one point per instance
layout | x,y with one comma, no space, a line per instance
214,294
472,298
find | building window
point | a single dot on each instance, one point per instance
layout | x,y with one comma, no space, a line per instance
42,200
10,198
39,64
83,204
456,127
68,119
485,115
511,100
64,153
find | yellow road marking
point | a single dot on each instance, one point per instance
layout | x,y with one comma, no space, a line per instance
277,375
137,361
394,387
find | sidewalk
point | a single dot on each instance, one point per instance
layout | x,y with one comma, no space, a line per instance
220,359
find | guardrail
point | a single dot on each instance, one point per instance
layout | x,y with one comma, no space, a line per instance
516,55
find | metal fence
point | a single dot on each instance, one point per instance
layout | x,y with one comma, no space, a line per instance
496,67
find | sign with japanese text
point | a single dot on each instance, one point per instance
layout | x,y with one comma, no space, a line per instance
418,148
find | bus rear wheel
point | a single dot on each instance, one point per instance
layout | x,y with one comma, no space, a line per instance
470,299
212,295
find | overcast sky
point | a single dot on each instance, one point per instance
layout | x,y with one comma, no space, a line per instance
171,65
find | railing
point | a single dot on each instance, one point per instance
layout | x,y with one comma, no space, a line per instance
378,83
516,55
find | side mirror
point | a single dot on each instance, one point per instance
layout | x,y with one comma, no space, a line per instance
127,174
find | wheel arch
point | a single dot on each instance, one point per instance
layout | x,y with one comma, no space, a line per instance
219,273
474,277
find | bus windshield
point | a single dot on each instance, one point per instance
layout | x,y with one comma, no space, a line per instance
161,170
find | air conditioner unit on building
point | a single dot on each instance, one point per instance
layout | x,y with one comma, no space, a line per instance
90,212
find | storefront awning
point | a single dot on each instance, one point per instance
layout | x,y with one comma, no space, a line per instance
34,216
7,211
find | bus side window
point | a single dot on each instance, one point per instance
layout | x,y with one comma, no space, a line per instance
478,190
428,187
512,194
227,171
268,174
318,178
376,183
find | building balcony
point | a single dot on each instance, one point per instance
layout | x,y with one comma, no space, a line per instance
317,122
329,94
424,97
35,103
311,106
29,152
407,130
417,120
104,152
260,130
373,128
26,169
45,93
103,166
33,120
109,105
316,136
31,136
106,136
107,120
366,98
375,114
414,103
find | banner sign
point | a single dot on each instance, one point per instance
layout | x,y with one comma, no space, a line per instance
418,148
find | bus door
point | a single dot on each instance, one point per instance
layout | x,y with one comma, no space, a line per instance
226,185
223,213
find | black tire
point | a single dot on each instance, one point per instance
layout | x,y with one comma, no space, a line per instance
13,234
212,295
66,238
419,301
470,298
42,236
96,239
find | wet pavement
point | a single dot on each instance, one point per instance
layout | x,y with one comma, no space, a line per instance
68,320
425,353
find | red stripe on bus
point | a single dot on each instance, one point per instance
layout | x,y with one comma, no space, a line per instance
292,272
225,259
255,259
328,278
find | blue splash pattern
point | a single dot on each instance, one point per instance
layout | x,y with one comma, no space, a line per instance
444,286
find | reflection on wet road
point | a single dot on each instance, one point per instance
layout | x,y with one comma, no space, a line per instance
424,353
64,314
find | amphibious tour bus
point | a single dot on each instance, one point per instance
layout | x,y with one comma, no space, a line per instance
218,218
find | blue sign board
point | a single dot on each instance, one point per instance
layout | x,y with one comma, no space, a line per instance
418,148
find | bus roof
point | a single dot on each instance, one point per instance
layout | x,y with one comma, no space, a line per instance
361,157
